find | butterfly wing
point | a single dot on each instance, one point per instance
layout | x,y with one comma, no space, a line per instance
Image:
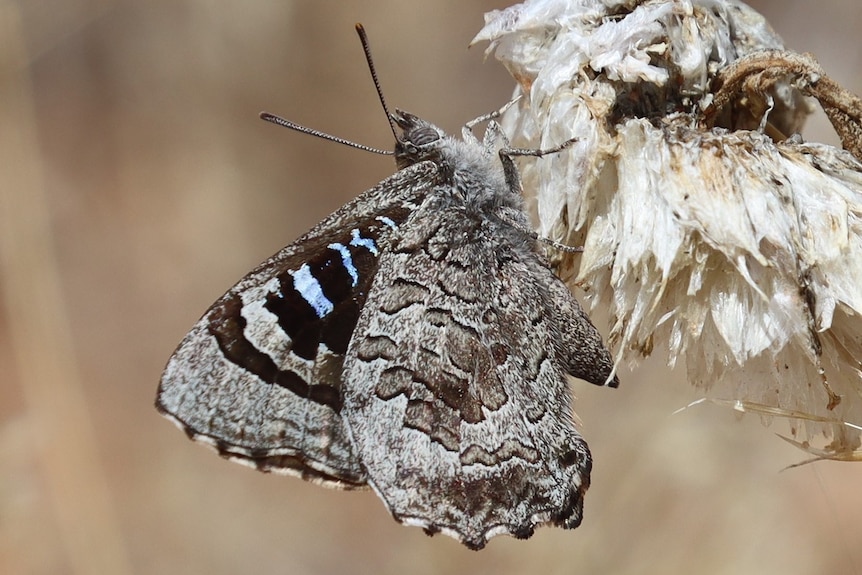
259,377
456,394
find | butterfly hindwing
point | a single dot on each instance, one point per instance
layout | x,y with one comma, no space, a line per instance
259,377
456,398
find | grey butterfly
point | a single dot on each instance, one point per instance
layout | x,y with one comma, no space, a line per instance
414,342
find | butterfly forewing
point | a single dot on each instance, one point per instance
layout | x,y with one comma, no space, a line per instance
259,377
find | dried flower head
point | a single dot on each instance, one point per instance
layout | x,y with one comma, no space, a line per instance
709,227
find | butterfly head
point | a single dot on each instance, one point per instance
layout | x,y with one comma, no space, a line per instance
419,140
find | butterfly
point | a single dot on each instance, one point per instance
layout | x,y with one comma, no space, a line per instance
415,342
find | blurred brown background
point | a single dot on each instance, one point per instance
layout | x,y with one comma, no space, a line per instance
137,184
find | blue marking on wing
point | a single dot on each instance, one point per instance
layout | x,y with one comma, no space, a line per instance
387,221
309,288
366,243
347,262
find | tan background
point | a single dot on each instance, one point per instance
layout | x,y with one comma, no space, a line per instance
137,184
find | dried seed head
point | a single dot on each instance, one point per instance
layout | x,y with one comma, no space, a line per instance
707,224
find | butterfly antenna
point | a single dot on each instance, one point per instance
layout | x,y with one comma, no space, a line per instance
279,121
366,47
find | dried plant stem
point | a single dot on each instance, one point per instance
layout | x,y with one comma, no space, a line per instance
755,74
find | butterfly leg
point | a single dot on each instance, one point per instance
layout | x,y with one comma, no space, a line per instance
510,170
491,115
537,152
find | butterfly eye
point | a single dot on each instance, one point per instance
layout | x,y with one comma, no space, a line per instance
423,136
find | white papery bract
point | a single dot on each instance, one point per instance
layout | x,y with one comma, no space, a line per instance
736,250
